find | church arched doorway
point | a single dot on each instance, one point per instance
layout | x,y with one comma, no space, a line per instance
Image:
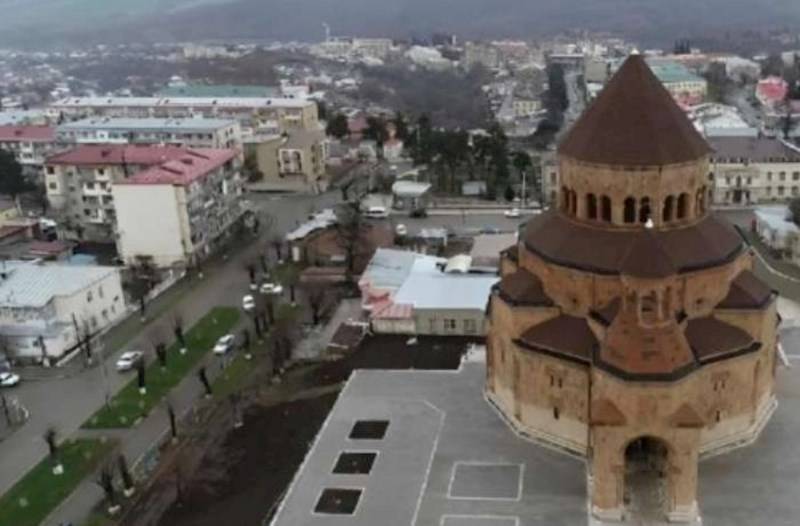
646,485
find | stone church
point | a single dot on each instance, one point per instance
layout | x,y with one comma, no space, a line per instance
628,326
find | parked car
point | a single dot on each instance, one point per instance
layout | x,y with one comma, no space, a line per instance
8,379
224,344
513,213
271,288
128,360
401,230
248,303
377,212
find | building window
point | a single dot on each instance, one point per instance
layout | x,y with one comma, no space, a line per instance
782,176
52,186
795,176
556,413
630,210
591,206
449,325
669,205
683,206
89,297
644,209
50,170
470,327
605,207
100,291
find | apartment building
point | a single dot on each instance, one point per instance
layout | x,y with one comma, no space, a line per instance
192,133
176,213
295,162
78,184
45,308
748,170
30,145
255,114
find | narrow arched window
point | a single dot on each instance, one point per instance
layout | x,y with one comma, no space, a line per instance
573,203
683,206
591,206
630,210
644,209
605,208
669,208
564,199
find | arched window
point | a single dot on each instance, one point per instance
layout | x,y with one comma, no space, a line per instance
591,206
630,210
573,203
564,199
683,206
669,206
644,209
701,200
605,208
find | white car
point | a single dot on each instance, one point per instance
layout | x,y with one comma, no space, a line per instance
271,288
224,344
377,212
8,379
401,230
128,359
248,303
513,213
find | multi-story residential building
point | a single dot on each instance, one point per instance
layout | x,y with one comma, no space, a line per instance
193,133
29,144
481,53
255,114
219,90
373,47
45,309
302,155
749,170
79,181
175,213
37,117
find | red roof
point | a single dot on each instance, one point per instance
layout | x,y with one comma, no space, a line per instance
12,132
772,89
193,164
634,122
118,154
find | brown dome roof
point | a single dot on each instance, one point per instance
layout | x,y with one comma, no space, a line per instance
634,122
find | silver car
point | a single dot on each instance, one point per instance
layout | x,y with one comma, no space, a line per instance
128,360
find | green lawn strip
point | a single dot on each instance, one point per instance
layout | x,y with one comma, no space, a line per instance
128,404
39,492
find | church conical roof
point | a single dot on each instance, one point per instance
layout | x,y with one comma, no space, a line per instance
634,122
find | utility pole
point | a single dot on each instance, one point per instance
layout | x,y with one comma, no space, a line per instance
524,184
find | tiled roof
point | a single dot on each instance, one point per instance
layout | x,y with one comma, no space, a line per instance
194,164
117,154
557,239
11,133
712,338
746,292
562,335
523,288
634,122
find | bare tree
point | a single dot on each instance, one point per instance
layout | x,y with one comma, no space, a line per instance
276,241
141,378
203,376
352,233
177,329
105,479
128,484
236,409
50,436
173,421
316,294
246,343
156,338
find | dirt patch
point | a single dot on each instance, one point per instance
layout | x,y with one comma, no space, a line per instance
240,475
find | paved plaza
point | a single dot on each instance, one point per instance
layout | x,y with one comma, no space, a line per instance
447,459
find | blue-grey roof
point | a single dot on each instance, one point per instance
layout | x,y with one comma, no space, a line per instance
145,124
427,287
389,268
31,284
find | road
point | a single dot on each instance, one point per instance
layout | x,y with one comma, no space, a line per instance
67,402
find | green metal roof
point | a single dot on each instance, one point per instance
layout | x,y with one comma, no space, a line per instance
219,90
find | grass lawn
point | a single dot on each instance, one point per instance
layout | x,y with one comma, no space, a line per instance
232,378
128,405
39,492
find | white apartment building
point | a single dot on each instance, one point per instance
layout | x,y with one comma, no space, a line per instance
255,114
41,304
192,133
748,170
78,184
29,144
175,213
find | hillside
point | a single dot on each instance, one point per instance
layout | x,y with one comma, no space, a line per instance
137,20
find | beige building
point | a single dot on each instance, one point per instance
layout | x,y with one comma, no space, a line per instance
175,213
295,162
30,145
628,327
748,170
255,114
79,185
